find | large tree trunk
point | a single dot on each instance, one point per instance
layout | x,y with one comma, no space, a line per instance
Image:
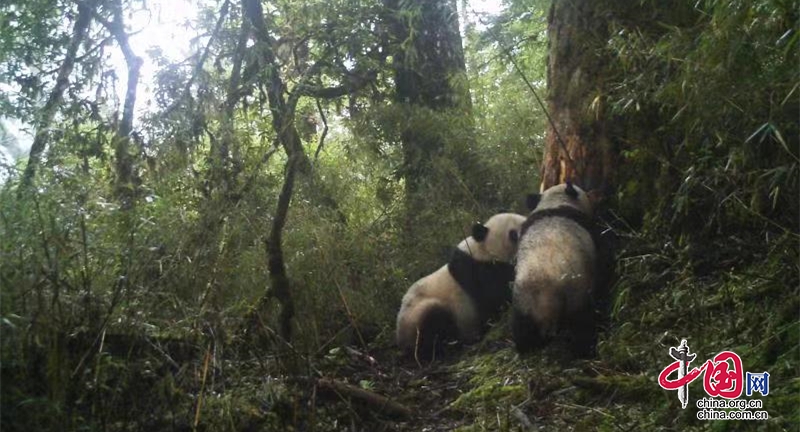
430,78
429,73
85,12
578,148
429,70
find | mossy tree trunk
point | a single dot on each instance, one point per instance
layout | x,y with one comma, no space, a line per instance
430,79
429,73
578,148
126,179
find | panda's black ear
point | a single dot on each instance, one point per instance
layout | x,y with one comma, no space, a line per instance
532,200
570,190
479,232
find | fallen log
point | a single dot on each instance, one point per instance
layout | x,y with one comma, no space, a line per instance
373,401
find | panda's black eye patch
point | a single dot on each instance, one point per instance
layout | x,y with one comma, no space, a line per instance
479,232
513,235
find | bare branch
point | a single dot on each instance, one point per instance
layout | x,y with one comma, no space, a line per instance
324,131
355,82
125,186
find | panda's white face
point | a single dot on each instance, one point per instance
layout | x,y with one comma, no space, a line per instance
558,195
500,239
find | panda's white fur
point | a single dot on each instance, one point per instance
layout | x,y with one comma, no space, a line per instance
555,271
438,307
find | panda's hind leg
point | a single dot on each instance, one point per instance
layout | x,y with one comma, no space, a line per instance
583,334
525,331
436,329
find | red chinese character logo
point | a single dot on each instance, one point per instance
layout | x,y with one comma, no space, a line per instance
720,378
719,381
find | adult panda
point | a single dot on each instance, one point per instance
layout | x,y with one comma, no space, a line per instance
556,271
456,301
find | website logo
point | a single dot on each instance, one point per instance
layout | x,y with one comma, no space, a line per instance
722,378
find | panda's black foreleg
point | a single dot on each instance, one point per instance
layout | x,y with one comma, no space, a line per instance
526,333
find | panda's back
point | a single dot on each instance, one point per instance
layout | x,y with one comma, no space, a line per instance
556,253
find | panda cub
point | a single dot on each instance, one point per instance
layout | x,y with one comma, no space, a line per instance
556,270
456,301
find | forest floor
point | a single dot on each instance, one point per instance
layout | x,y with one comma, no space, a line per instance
482,387
487,386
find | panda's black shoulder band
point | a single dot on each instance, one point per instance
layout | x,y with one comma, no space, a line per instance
462,266
486,283
565,212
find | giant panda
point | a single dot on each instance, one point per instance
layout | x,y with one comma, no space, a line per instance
556,271
456,301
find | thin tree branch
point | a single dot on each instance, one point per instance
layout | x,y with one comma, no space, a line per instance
223,13
234,92
510,56
283,111
332,92
248,183
324,131
373,400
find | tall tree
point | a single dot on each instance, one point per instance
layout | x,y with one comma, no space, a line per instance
265,65
283,116
124,161
86,10
429,59
577,146
430,79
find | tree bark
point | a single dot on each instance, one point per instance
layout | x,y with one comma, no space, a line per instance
283,123
79,30
578,147
428,59
430,74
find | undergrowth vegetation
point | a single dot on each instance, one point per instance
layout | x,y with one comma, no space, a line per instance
132,317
